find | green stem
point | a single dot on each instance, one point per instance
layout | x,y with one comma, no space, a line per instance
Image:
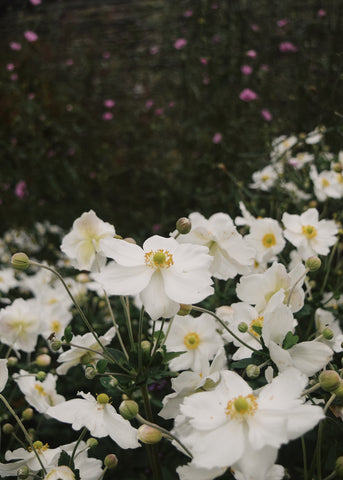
331,476
125,304
304,458
328,268
109,306
295,284
103,473
83,433
139,341
27,436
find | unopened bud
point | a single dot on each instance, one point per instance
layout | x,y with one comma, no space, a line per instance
90,372
313,264
20,261
253,371
337,167
339,467
12,361
183,225
243,327
41,376
128,409
55,345
329,380
23,472
27,414
184,309
148,435
7,428
43,360
146,346
92,442
328,333
110,461
338,391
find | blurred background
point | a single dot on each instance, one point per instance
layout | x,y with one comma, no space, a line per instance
146,110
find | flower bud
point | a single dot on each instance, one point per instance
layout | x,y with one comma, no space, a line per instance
183,225
12,361
90,372
113,382
92,442
111,461
313,263
339,467
184,309
146,346
41,376
253,371
128,409
23,472
43,360
7,428
55,345
328,333
338,391
20,261
329,380
243,327
27,414
148,435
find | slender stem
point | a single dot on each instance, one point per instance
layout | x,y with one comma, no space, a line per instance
27,436
109,306
331,476
167,332
295,284
82,434
304,458
328,268
139,341
125,304
311,389
71,344
102,473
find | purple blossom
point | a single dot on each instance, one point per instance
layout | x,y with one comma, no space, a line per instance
180,43
266,115
285,47
246,69
20,189
217,138
248,95
30,36
15,46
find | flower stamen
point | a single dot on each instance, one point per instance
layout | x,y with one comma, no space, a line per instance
269,240
191,340
309,231
159,259
240,407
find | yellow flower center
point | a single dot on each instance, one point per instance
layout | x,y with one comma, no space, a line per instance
264,178
339,178
269,240
52,301
325,183
158,259
56,326
191,340
40,389
103,398
255,326
39,447
240,407
309,231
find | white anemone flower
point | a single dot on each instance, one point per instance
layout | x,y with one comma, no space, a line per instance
326,319
164,273
231,253
196,337
21,456
327,184
281,147
264,179
266,238
308,234
191,472
3,373
82,243
98,416
60,473
39,394
225,421
301,159
258,465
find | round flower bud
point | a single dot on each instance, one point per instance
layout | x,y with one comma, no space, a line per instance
41,376
183,225
336,167
253,371
148,435
184,309
328,333
7,428
338,391
55,345
43,360
82,277
12,361
90,373
339,467
111,461
128,409
103,398
92,442
146,346
20,261
27,414
23,472
329,380
313,263
243,327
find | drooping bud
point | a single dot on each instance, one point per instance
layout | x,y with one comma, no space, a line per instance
27,414
90,373
243,327
113,382
20,261
313,263
339,467
338,391
43,360
110,461
329,380
7,428
253,371
148,435
183,225
55,345
103,398
92,442
23,472
328,333
12,361
184,309
41,376
128,409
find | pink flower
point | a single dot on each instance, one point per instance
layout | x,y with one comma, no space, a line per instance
20,189
265,68
287,47
14,77
216,38
69,62
205,80
180,43
171,104
69,107
214,6
35,2
266,115
158,111
188,13
217,138
321,13
30,36
203,60
106,55
254,27
149,103
282,23
248,95
246,69
107,116
109,103
156,227
10,67
31,96
251,53
154,50
15,46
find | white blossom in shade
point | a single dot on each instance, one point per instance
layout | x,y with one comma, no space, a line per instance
315,136
196,337
326,184
247,218
308,234
264,179
21,456
164,273
282,147
300,160
231,254
326,319
60,473
3,373
266,238
191,472
188,382
258,288
37,282
225,421
258,465
55,318
7,280
76,356
39,394
294,191
82,243
100,418
20,324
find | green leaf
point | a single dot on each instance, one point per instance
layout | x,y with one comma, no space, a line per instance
290,340
168,356
68,334
101,366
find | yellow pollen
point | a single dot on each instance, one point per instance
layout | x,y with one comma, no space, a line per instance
39,447
269,240
339,178
158,259
264,178
240,407
191,340
40,389
256,326
325,182
309,231
56,326
52,301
